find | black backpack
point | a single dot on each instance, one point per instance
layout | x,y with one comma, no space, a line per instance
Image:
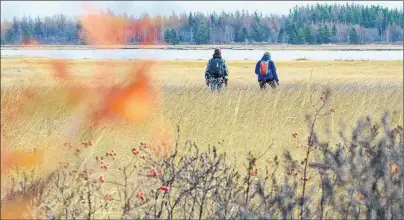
215,67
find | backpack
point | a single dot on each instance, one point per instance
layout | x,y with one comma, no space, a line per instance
264,68
215,67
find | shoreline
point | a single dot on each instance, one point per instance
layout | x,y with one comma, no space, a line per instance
328,47
302,60
307,61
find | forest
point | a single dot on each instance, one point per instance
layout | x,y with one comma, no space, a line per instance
311,24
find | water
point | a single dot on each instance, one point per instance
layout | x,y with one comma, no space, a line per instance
162,54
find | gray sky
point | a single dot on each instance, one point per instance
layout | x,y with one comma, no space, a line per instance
9,9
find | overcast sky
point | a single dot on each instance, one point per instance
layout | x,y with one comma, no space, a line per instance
9,9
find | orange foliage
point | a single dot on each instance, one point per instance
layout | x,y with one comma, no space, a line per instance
394,168
10,159
18,208
105,29
148,26
30,42
133,102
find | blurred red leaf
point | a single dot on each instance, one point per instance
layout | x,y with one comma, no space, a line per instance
164,188
133,102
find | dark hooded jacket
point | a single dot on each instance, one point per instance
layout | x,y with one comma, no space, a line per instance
271,67
225,69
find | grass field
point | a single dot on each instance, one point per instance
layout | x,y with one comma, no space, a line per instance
245,117
43,112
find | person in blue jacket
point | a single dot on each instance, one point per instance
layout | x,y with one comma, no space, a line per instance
266,71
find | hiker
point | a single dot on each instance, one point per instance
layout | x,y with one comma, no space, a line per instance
266,71
216,68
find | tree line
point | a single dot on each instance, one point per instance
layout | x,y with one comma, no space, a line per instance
314,24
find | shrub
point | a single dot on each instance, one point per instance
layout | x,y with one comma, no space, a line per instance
361,177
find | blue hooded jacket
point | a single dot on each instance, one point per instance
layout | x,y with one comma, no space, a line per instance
271,67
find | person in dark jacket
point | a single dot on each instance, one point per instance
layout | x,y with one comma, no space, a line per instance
266,71
220,71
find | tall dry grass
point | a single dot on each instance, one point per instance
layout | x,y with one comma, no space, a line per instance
37,111
360,177
245,117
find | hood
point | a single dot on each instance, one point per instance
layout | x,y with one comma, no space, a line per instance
217,56
266,58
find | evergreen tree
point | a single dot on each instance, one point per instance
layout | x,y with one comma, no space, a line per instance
326,35
174,37
192,26
38,32
13,35
308,35
240,35
281,35
212,21
292,34
237,35
167,36
300,37
79,28
202,35
208,39
334,30
257,33
26,29
320,35
353,36
245,34
334,34
190,19
379,24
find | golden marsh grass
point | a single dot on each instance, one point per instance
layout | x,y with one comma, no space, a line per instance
243,116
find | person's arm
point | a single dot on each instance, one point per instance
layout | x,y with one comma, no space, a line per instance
257,68
207,70
226,70
274,72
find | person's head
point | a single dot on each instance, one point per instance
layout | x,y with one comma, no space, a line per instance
218,51
267,56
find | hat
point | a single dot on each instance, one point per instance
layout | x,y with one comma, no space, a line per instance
267,54
218,51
